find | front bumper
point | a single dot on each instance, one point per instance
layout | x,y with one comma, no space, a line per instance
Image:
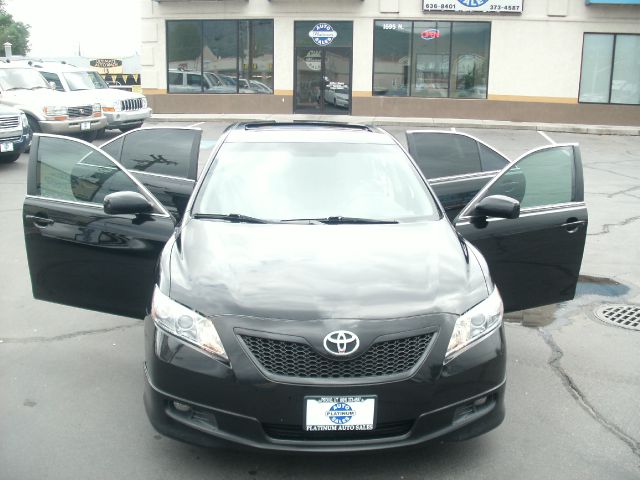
242,407
20,140
127,117
67,127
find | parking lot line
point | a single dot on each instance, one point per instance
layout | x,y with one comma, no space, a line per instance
547,137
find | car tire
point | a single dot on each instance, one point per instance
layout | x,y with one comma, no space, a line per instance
89,136
128,128
101,133
9,158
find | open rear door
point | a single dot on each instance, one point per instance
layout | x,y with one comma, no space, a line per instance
534,259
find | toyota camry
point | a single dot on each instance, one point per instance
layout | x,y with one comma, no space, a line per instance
306,291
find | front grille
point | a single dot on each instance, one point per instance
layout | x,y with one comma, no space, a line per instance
133,104
9,122
83,111
297,432
293,359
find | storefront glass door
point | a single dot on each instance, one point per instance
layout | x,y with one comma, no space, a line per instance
323,58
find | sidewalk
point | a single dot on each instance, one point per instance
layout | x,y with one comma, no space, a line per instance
409,122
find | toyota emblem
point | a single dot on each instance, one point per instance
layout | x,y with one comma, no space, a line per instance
341,342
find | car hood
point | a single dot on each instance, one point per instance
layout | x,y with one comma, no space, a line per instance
45,97
323,271
103,95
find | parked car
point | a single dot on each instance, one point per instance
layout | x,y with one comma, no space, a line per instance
337,95
314,296
49,111
124,110
185,81
15,134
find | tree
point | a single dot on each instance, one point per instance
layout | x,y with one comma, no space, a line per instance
17,33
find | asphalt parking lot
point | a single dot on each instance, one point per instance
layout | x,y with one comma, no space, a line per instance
71,381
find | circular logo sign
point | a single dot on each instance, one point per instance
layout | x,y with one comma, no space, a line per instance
322,34
313,60
340,413
473,3
341,342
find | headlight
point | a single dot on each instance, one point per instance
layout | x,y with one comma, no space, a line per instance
144,102
55,111
97,108
25,120
186,324
475,324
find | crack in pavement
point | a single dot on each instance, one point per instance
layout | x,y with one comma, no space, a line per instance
67,336
606,228
611,172
576,393
625,191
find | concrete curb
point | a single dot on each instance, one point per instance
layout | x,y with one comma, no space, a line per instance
400,121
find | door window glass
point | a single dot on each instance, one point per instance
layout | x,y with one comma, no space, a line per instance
164,151
444,154
431,48
490,159
545,177
71,171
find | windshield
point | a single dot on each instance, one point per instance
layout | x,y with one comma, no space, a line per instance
286,181
18,78
81,81
97,80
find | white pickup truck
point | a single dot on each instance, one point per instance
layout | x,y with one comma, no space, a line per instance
124,110
49,111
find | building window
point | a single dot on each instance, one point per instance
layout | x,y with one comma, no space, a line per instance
610,69
220,56
431,58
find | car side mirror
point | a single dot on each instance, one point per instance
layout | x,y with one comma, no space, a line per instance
120,203
52,85
498,206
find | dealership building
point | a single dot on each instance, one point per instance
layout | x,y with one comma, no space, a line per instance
570,61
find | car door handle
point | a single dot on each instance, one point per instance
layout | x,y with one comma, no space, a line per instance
39,221
572,225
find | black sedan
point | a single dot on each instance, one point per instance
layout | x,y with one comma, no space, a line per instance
307,292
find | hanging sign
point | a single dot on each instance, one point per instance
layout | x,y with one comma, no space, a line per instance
430,34
323,34
484,6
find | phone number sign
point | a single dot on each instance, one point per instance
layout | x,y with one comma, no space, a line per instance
483,6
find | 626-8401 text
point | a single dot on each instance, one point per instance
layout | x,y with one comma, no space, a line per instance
439,6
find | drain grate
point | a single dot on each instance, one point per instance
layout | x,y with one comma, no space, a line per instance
625,316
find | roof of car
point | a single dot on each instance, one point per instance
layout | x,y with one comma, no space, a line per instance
290,132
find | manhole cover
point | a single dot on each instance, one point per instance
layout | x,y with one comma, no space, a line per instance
626,316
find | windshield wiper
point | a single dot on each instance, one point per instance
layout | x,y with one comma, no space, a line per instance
231,217
336,220
16,88
38,86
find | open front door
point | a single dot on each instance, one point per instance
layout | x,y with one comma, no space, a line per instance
164,159
534,259
78,254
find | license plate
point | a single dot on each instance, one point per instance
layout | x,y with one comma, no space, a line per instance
85,125
6,147
340,413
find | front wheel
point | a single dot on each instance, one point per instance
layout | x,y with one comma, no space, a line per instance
9,158
89,136
128,128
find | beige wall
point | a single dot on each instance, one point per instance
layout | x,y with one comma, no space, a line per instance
535,57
